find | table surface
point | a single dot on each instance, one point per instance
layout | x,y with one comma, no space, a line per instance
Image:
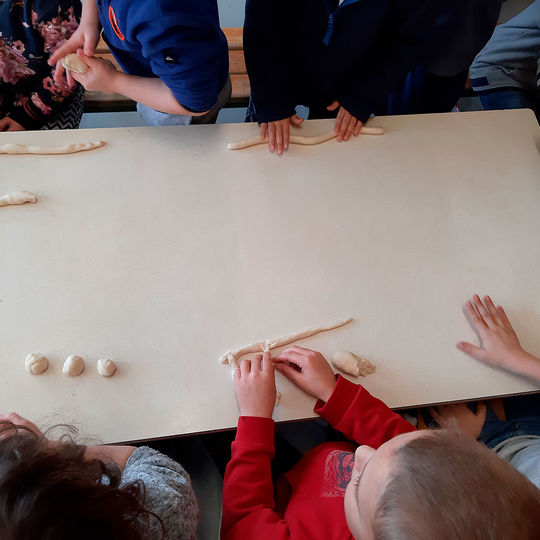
162,250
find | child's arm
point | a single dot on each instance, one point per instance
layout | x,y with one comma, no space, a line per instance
248,489
348,407
499,344
149,91
267,26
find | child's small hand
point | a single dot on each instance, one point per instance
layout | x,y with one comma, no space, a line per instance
499,344
470,423
255,386
278,133
8,124
100,74
346,124
86,37
308,369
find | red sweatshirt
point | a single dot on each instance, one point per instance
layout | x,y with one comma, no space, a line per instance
312,505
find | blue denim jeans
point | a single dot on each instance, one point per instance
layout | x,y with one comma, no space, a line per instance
522,418
510,98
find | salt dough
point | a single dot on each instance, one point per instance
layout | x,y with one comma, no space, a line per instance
73,63
36,363
301,139
106,367
349,363
230,357
66,149
73,366
17,197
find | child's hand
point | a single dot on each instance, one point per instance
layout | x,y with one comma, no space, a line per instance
278,133
100,75
86,37
17,420
308,369
255,386
499,344
346,124
8,124
470,423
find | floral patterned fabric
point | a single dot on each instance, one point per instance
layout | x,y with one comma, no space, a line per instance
29,32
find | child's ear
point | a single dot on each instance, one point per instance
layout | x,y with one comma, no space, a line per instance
362,455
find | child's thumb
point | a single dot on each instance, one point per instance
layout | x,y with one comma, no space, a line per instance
470,349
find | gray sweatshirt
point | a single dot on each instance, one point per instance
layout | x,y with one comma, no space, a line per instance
511,58
168,493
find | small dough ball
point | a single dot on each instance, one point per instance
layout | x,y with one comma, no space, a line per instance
73,63
106,367
348,362
36,363
73,366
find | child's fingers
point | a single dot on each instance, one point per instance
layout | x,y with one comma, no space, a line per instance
439,419
474,318
286,133
267,364
262,130
503,317
289,371
256,364
296,120
292,356
279,138
272,136
481,309
490,307
481,410
245,367
358,128
471,350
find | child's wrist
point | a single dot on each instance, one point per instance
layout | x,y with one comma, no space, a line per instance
524,363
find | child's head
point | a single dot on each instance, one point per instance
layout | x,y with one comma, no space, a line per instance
438,484
50,491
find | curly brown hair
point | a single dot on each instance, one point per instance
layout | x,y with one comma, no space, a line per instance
50,491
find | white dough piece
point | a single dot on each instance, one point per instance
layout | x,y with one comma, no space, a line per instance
36,363
278,399
106,367
301,139
17,197
65,149
230,357
356,366
73,366
73,63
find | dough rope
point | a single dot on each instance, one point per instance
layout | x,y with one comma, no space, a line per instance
17,197
230,357
65,149
301,139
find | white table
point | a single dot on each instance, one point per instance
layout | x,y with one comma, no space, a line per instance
163,250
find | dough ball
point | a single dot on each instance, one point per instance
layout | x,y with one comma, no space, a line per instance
348,362
73,366
106,367
74,63
36,363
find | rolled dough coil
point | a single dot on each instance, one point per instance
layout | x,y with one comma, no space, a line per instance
301,139
17,197
33,149
230,357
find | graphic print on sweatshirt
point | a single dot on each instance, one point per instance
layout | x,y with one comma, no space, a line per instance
337,473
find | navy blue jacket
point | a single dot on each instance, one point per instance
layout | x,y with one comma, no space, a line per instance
179,41
313,52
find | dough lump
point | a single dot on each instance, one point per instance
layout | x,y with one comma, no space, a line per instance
73,63
348,362
73,366
36,363
17,197
106,367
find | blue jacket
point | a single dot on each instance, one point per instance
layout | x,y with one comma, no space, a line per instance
313,52
179,41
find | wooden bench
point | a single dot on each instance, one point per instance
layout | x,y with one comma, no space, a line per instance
98,102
